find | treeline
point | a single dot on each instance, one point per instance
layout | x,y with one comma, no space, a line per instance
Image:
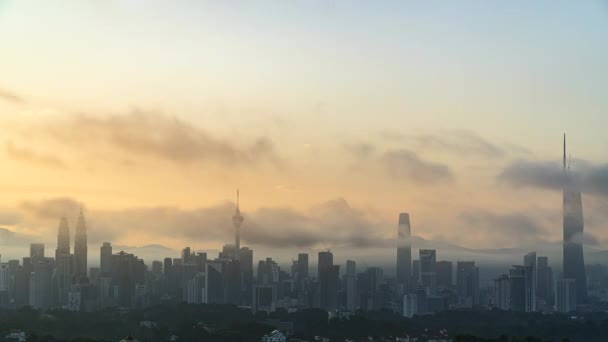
230,323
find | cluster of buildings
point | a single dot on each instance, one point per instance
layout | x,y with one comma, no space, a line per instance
420,286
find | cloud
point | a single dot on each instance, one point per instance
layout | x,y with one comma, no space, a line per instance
27,155
8,96
50,209
360,149
462,142
588,177
408,166
154,135
11,238
508,229
333,223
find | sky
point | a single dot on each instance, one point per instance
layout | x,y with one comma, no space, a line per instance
332,117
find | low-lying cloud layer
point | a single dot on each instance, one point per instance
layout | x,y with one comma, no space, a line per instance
331,224
590,178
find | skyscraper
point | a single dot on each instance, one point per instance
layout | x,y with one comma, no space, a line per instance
105,261
328,281
302,266
80,246
237,220
444,274
404,250
467,283
530,262
544,285
63,238
574,261
428,272
36,250
566,295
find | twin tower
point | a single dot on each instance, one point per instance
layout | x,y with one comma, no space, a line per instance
80,245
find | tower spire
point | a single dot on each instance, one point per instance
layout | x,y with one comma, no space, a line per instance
564,151
237,220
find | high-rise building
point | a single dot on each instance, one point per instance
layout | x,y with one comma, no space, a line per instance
544,289
444,274
404,250
80,247
63,238
41,287
467,283
520,288
428,271
530,262
410,305
573,261
246,261
237,220
350,285
326,259
328,281
36,250
302,266
416,271
351,267
566,295
501,287
213,291
105,260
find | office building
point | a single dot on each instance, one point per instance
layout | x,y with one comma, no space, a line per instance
80,248
573,260
428,271
566,295
404,250
444,274
467,283
37,250
530,262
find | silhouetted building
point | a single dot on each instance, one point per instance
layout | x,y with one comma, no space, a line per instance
41,284
416,271
428,271
63,238
574,261
544,289
328,281
36,250
214,283
105,259
350,285
410,305
530,262
520,288
444,274
80,248
467,283
502,290
404,250
237,220
566,295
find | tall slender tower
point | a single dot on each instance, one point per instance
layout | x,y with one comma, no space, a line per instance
574,261
404,250
80,246
237,220
63,239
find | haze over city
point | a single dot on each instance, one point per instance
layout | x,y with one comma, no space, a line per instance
303,170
